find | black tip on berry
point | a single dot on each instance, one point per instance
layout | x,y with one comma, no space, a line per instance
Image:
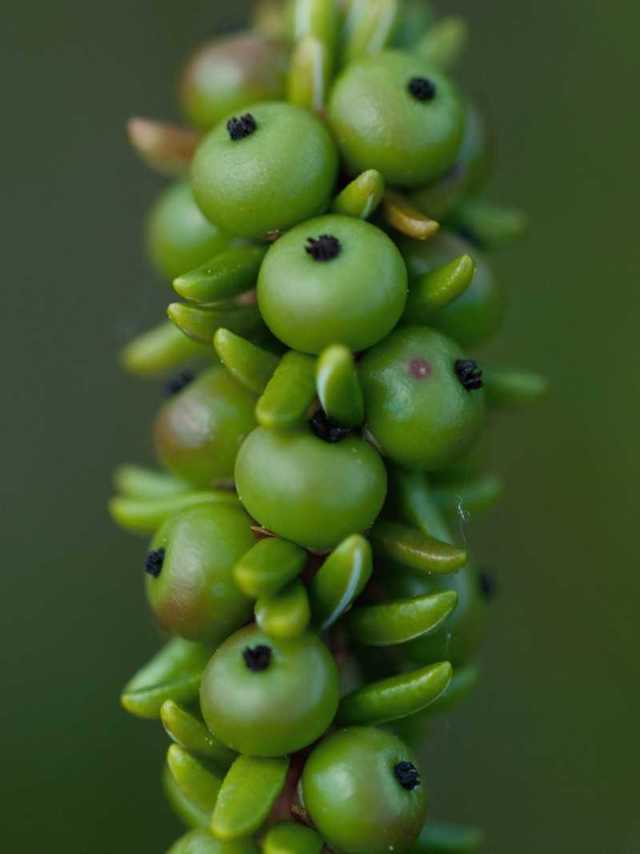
327,430
407,775
242,127
178,383
422,88
257,658
324,248
154,562
469,374
488,585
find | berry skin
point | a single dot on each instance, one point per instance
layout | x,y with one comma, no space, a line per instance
418,411
309,491
199,431
274,710
270,180
477,314
382,119
229,74
364,793
332,280
179,238
193,594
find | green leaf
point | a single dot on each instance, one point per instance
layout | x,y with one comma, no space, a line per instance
440,838
369,27
146,515
202,842
285,615
513,389
309,75
289,393
268,567
248,793
463,682
444,42
340,580
469,496
228,274
394,698
407,219
201,323
186,810
191,734
491,226
362,197
252,366
159,351
198,785
174,673
400,621
139,482
438,288
415,550
339,387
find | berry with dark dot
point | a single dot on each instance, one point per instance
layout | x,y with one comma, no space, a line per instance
323,248
327,430
469,374
154,562
407,775
242,127
257,658
178,383
422,89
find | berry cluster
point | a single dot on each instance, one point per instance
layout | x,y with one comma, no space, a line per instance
323,234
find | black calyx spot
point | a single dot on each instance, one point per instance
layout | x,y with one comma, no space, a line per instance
240,127
323,248
407,775
469,374
176,384
154,562
327,430
422,89
487,585
257,658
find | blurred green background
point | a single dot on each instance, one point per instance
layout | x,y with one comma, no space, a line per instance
546,755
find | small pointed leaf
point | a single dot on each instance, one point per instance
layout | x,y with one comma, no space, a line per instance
369,27
146,515
191,734
416,550
186,810
248,793
394,698
513,389
438,288
197,784
407,219
160,350
490,226
289,393
201,324
463,682
228,274
139,482
400,621
340,580
285,615
269,567
445,41
309,75
339,387
362,197
165,148
469,496
441,838
174,673
250,365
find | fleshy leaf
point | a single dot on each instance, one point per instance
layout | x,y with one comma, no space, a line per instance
248,793
340,580
250,365
269,567
400,621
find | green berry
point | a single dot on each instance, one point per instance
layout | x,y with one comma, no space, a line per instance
364,792
230,73
267,697
394,113
189,567
477,314
179,238
308,490
265,171
423,398
332,280
199,431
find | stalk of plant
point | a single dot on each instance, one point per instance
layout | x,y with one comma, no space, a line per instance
325,230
